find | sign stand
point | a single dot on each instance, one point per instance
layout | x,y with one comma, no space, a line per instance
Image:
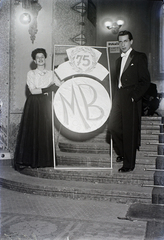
54,147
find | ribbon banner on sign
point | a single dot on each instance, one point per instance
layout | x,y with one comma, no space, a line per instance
82,104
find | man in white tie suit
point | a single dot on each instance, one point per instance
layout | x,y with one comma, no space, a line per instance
132,81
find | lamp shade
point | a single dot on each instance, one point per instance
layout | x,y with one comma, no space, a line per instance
25,18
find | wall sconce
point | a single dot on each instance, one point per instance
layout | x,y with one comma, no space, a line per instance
30,17
114,26
16,2
25,18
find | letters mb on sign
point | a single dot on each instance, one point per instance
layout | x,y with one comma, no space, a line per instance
82,104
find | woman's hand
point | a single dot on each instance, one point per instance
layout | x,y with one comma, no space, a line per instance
52,88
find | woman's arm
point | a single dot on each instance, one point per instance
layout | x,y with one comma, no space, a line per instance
54,83
57,80
31,85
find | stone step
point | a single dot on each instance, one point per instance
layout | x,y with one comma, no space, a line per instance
5,162
142,158
149,142
140,154
150,122
84,147
80,159
15,181
151,118
95,160
145,134
136,177
102,138
150,137
155,128
149,148
145,163
104,148
149,132
147,155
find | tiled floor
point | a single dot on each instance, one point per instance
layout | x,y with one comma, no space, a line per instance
32,217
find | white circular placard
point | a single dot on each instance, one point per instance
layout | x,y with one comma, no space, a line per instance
82,104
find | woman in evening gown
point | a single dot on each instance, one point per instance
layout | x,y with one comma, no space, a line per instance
34,145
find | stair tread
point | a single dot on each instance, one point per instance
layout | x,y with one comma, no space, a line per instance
103,173
76,154
150,118
101,144
22,180
105,157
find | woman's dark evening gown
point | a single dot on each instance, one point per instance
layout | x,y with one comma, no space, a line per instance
34,142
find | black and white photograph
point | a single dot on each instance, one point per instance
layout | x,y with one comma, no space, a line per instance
81,119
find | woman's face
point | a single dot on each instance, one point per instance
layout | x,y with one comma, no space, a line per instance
40,59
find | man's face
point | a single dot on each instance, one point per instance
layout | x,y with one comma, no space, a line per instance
125,43
40,59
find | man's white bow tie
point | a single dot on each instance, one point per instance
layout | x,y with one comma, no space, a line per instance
123,54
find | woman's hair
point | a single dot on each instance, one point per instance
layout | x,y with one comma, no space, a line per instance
125,32
38,50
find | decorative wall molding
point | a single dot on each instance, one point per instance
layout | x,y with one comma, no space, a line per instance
81,8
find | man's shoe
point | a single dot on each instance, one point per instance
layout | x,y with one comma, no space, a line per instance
119,159
124,169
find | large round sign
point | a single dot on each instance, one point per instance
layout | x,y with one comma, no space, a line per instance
82,104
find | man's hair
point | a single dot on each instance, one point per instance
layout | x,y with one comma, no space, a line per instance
38,50
125,32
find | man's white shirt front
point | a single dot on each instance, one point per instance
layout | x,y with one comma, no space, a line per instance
123,62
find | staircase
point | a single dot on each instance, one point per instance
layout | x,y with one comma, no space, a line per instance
83,170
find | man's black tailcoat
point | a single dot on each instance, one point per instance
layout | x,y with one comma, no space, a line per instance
125,116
